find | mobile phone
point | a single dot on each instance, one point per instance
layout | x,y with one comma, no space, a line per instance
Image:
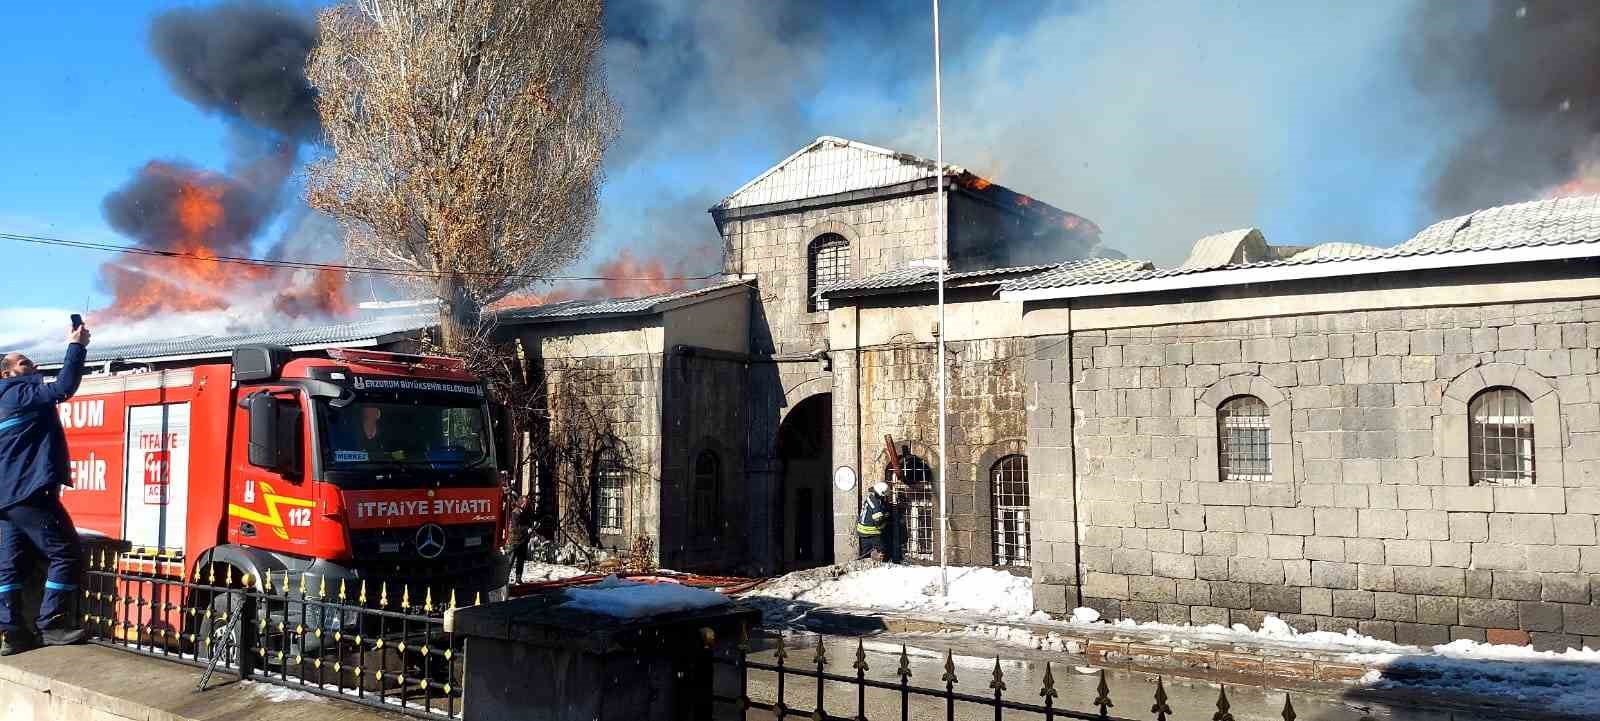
77,321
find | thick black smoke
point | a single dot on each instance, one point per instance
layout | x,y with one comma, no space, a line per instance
1528,71
164,201
246,60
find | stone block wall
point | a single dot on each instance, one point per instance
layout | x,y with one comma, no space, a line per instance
595,402
987,421
1369,520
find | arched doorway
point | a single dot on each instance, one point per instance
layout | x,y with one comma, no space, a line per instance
805,450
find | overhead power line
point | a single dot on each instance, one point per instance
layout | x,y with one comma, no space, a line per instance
309,265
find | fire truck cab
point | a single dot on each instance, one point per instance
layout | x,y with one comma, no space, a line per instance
359,466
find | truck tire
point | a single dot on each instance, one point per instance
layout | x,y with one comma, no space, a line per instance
210,640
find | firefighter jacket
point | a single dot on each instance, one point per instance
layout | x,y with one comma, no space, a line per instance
33,446
874,516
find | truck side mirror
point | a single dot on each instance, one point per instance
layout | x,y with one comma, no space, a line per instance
275,437
500,417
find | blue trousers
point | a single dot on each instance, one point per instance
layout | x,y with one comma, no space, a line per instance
39,526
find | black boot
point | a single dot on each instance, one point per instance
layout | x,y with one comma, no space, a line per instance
16,642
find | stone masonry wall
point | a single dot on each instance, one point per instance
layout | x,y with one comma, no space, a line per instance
1368,521
595,401
987,421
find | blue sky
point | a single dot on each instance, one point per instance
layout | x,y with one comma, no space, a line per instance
1161,121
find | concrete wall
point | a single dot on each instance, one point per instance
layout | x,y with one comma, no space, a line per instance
706,406
1368,521
721,323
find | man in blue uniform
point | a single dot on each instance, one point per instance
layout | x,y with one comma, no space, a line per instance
33,467
874,518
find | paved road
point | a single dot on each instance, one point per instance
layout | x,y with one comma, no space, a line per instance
1132,692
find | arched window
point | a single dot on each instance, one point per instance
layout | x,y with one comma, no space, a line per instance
1244,443
1500,437
1008,484
828,261
610,481
707,490
914,496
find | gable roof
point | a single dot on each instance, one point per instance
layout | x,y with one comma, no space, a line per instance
1558,228
921,278
348,334
614,307
828,166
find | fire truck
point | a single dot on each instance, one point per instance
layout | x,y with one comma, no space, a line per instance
358,466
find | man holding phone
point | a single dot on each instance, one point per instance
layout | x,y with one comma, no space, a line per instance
33,467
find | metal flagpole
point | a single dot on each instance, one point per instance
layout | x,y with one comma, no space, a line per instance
938,129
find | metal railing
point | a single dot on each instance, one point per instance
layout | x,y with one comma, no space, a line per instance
903,694
365,645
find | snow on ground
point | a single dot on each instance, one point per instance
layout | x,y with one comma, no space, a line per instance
278,694
535,572
618,598
976,591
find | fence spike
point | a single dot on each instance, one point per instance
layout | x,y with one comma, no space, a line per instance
363,597
383,595
427,601
744,638
783,651
1161,709
452,605
341,591
949,668
322,586
905,665
822,653
266,582
477,598
1103,695
861,656
1222,706
1049,691
227,579
405,598
211,575
999,682
302,585
1288,709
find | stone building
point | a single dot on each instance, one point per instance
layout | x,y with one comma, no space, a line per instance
1402,441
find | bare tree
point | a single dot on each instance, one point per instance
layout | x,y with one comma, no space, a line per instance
467,137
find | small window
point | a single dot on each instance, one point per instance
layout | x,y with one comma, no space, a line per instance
829,261
1500,440
1008,483
1244,443
915,497
707,491
610,479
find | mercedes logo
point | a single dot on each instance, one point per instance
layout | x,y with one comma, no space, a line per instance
430,541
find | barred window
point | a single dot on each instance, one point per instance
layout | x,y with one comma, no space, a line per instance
1500,440
1008,483
829,261
915,496
1244,443
707,491
610,479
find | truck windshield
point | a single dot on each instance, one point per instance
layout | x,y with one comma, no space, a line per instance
399,433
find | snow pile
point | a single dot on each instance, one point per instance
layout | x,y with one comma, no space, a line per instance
278,694
536,572
1562,681
617,598
973,590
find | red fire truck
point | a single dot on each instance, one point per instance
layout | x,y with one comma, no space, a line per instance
359,466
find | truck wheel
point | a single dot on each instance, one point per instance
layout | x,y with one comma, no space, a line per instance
214,633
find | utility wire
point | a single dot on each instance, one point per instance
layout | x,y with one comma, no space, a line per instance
308,265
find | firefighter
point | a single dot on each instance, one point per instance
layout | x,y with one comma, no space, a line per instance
521,523
874,519
33,467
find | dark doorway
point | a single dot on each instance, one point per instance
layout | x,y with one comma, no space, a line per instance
805,450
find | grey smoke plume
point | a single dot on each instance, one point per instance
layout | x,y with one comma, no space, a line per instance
1529,72
243,59
1159,121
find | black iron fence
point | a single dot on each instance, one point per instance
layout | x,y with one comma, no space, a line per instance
380,646
905,699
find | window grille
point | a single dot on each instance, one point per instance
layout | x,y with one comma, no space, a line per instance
916,497
1500,440
1008,481
609,480
1244,443
829,262
707,489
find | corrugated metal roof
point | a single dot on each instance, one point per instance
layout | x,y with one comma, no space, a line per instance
828,166
607,306
1336,250
921,275
356,332
1226,248
1559,221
